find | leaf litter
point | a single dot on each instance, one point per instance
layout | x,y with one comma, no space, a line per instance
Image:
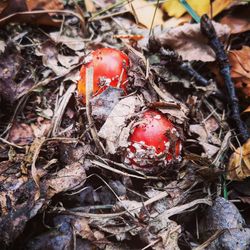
64,181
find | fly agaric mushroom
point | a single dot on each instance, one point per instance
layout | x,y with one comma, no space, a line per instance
110,69
153,142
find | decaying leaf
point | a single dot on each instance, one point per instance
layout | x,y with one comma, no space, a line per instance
111,131
209,142
2,46
103,104
173,21
11,10
68,178
11,63
188,41
75,43
21,134
239,163
144,13
54,60
224,217
240,71
41,127
169,237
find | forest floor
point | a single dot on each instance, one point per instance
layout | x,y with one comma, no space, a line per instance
155,156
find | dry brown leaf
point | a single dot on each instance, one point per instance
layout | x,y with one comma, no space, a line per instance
90,7
113,129
174,22
239,163
238,19
144,13
75,43
240,71
2,46
188,41
12,9
21,134
169,237
68,178
55,61
206,139
41,127
11,63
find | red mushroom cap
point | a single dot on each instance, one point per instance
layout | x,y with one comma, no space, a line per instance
110,69
153,142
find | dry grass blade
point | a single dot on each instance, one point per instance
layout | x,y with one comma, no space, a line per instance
210,240
10,143
58,114
36,12
168,213
180,209
38,143
117,171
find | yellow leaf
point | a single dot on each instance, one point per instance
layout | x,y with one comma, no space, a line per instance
239,163
220,5
176,9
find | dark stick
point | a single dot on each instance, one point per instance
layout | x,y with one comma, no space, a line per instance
208,30
185,67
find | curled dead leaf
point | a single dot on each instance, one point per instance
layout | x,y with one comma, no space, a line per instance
239,163
238,19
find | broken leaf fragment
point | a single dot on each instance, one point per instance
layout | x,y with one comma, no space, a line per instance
144,13
239,163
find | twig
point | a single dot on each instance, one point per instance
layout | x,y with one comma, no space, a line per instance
152,23
179,209
208,30
168,213
121,165
89,91
117,171
10,143
176,60
34,12
210,240
119,3
56,121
